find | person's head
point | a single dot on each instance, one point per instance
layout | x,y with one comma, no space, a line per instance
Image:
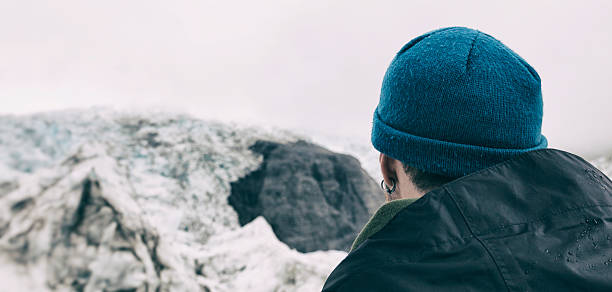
454,101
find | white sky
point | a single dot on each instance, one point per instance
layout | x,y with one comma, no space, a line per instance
315,65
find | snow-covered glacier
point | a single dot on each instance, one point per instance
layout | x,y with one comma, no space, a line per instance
94,200
98,200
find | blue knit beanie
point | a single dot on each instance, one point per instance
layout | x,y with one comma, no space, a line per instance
456,100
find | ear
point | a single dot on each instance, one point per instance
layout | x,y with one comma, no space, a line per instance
387,168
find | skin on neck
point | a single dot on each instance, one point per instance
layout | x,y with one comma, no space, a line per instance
393,170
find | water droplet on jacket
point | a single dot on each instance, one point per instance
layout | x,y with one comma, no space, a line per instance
526,272
608,237
547,251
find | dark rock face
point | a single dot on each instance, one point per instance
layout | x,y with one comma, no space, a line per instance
314,199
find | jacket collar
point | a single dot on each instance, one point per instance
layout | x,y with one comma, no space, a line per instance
512,191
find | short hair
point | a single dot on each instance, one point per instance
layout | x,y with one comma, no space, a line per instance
426,181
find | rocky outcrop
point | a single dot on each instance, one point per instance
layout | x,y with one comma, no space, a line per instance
314,199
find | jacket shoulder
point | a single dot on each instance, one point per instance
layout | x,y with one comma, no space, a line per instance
425,247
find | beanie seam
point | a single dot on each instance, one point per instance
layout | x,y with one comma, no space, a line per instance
469,56
417,40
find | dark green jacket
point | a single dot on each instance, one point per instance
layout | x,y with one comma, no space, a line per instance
541,221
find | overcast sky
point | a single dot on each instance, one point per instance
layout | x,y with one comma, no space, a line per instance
315,65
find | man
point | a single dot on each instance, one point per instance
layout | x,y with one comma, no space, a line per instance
459,127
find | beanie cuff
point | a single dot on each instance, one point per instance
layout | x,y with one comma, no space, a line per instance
436,156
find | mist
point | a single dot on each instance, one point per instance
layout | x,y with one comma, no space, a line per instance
314,66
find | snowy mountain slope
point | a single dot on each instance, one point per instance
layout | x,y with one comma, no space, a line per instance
163,155
94,199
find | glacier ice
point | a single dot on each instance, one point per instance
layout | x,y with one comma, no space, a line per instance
97,199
